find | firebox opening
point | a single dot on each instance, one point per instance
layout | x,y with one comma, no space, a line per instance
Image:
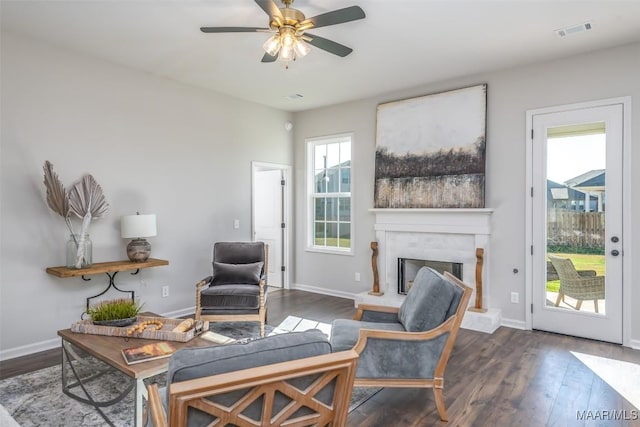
408,269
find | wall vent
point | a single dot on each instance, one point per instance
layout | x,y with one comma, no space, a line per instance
575,29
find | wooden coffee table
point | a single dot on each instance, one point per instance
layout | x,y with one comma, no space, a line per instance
108,349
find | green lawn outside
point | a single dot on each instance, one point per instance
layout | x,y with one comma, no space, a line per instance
333,242
582,262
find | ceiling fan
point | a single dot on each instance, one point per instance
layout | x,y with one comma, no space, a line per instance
290,39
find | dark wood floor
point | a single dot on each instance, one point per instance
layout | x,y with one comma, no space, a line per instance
509,378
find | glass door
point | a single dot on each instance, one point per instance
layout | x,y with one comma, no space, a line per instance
577,222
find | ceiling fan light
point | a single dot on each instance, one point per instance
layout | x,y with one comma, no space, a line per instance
272,45
287,37
286,54
301,48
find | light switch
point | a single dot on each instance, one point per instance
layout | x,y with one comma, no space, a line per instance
236,223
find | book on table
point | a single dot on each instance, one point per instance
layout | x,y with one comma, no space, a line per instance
151,351
217,338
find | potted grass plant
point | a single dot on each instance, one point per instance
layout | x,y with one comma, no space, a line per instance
116,312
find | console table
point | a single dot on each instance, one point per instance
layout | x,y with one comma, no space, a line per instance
110,269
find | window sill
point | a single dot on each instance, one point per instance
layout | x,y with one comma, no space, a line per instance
348,252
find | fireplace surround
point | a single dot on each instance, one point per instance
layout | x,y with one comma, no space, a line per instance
450,235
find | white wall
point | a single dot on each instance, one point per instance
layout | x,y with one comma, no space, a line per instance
598,75
154,145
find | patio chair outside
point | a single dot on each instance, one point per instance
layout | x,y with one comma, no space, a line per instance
576,285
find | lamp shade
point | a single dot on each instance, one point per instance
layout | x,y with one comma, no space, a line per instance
137,226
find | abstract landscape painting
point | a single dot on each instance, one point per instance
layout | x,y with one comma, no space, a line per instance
430,151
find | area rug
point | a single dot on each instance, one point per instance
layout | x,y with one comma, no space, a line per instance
299,324
36,398
359,395
239,330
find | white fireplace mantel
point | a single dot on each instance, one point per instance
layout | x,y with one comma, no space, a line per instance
459,221
451,235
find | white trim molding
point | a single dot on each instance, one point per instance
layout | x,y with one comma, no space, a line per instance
514,324
627,223
25,350
324,291
287,207
311,194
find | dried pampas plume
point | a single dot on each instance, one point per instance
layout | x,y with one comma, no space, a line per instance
57,197
85,200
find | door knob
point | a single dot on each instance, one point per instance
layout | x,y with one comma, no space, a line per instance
615,252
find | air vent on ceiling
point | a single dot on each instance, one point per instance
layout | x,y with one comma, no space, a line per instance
575,29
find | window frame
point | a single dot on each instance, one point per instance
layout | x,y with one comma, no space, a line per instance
311,194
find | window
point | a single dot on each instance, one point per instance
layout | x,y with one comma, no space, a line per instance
329,177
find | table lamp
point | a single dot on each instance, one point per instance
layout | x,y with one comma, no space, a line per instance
137,227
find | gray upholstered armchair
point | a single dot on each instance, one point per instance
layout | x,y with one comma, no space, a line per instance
290,379
407,346
237,290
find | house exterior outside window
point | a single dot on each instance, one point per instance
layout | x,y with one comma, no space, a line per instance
329,183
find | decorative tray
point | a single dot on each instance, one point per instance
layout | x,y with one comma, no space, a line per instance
165,333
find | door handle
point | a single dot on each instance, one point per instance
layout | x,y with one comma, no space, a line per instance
615,252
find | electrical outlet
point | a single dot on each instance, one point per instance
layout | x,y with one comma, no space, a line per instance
515,297
165,291
357,277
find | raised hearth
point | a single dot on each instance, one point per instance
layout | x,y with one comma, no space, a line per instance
450,235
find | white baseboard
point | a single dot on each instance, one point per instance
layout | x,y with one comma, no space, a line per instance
28,349
514,324
324,291
179,313
25,350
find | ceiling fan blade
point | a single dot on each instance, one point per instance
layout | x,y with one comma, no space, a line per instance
339,16
269,58
328,45
270,8
232,29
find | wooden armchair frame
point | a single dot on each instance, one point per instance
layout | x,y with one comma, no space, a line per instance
264,382
261,316
450,326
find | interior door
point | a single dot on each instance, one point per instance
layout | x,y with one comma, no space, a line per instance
577,216
268,219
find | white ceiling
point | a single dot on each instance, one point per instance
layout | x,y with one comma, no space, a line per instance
400,44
